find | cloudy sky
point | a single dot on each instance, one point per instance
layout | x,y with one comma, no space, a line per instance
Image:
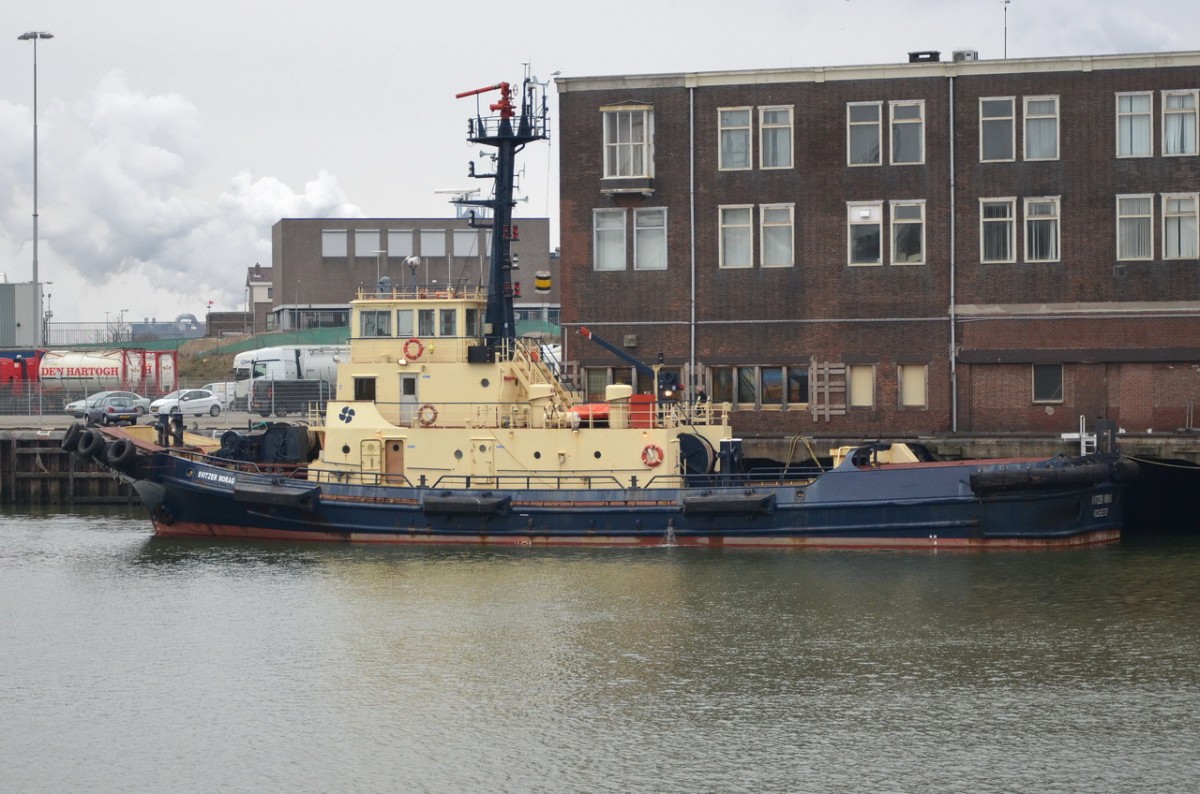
173,135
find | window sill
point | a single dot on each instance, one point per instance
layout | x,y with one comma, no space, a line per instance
643,185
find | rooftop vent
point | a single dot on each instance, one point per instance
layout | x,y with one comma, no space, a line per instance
966,55
924,55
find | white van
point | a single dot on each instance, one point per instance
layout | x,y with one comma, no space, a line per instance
224,391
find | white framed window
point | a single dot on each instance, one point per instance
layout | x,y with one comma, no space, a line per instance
1047,383
997,129
864,233
908,232
1135,133
1179,123
1180,226
997,230
366,243
333,243
1041,128
908,131
775,137
1042,229
433,242
735,140
914,385
466,242
650,239
608,239
399,242
864,133
778,235
861,379
1135,227
628,142
737,236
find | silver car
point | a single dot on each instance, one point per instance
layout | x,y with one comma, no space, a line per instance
79,408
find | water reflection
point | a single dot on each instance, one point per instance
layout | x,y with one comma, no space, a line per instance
328,667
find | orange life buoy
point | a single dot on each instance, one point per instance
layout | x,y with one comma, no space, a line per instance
408,351
652,455
426,415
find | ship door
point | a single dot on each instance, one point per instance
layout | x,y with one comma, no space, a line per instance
369,452
408,399
483,461
393,461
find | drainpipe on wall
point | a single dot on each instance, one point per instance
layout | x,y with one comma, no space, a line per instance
695,376
953,297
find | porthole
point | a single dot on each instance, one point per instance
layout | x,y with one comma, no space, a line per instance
345,449
485,383
537,456
596,454
458,454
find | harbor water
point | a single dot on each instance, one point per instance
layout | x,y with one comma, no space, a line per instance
135,664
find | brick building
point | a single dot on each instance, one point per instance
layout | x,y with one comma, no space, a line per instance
919,247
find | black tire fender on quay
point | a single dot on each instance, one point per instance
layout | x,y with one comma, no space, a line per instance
91,443
70,439
120,452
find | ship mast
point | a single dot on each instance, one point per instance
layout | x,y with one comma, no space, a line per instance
508,131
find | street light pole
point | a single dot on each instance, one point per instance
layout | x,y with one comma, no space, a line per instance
33,36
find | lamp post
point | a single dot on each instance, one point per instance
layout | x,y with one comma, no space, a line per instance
378,263
33,36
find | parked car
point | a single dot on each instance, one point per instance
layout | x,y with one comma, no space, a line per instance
78,408
223,390
190,402
112,410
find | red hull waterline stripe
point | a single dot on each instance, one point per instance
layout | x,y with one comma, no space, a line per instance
185,529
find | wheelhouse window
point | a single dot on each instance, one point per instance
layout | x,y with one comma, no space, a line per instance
997,230
737,237
865,233
735,135
425,322
864,133
1179,122
649,239
1047,383
447,322
333,243
1135,136
627,141
775,137
908,233
1180,227
375,323
1135,227
1041,128
997,129
404,323
1041,230
778,242
908,132
608,239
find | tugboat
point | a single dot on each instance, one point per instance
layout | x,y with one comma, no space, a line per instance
445,427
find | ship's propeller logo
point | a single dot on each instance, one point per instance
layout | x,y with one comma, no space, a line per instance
347,414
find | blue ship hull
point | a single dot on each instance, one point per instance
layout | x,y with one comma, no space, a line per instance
1058,502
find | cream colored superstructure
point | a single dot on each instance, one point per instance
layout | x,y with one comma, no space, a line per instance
419,408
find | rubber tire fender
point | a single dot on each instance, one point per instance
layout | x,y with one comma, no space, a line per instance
120,452
91,444
70,439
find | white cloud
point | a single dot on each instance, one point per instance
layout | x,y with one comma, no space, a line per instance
121,226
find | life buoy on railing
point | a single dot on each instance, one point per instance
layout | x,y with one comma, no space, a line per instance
652,455
408,346
426,415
